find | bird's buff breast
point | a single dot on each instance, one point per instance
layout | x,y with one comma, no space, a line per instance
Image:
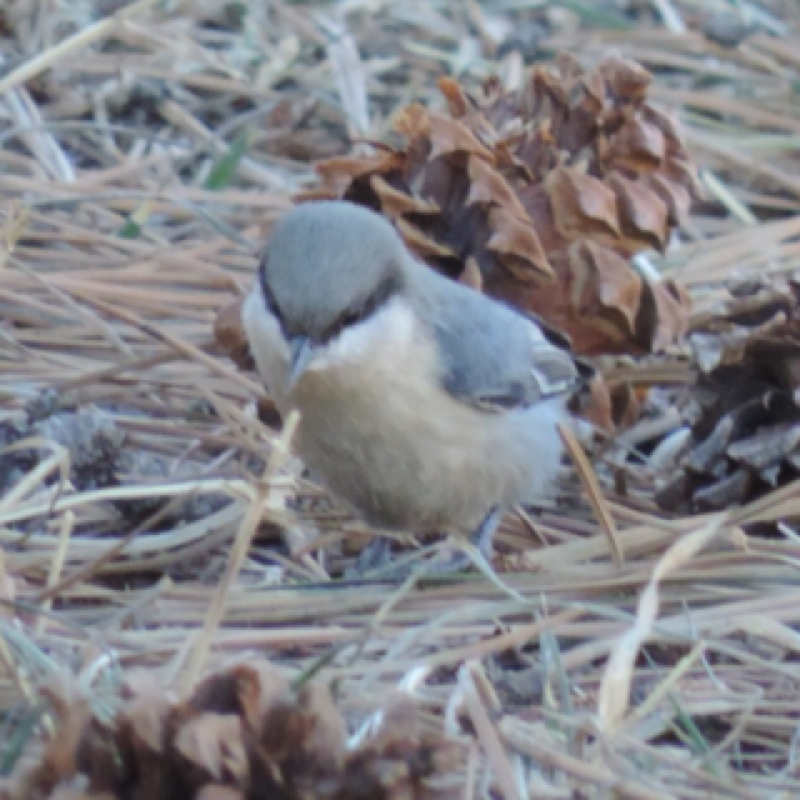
382,434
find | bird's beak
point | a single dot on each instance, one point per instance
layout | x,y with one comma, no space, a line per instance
301,353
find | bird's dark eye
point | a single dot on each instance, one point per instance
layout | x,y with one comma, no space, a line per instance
348,318
351,318
366,307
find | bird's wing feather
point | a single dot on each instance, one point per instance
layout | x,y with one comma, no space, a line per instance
546,372
494,358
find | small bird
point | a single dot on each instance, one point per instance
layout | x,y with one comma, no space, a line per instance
424,405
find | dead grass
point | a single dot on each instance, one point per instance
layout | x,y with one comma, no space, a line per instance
143,156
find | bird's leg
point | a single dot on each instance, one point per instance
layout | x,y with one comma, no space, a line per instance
483,536
376,557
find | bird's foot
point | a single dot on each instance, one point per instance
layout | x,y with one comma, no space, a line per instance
375,557
482,539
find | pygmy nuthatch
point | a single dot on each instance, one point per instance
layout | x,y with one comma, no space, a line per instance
424,404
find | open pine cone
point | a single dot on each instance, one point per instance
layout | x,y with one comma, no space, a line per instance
746,436
540,196
242,734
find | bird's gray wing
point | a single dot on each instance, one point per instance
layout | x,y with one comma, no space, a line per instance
516,382
494,358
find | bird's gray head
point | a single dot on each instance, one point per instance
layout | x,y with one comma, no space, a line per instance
329,266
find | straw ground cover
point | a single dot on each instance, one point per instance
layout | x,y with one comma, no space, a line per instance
152,525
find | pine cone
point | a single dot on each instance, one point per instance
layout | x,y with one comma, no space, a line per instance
746,434
540,196
244,730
